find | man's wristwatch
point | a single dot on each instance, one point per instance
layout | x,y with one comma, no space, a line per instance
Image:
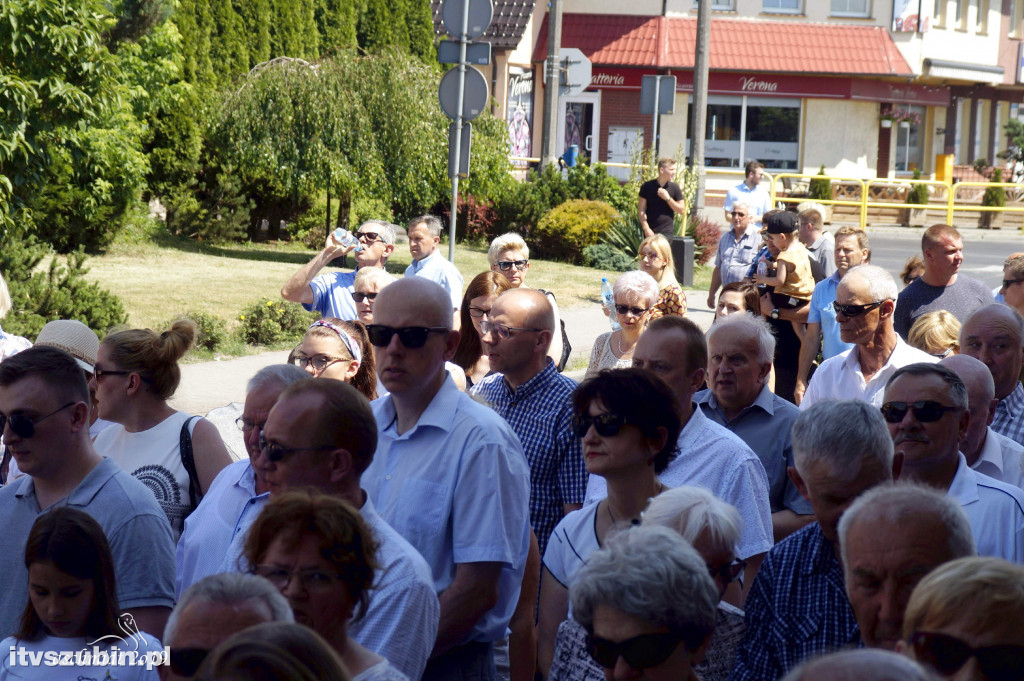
775,313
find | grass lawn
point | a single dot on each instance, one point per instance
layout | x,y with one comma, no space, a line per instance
159,280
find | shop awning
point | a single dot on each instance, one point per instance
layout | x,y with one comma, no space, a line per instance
736,45
955,70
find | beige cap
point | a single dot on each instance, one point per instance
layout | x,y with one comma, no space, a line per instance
74,338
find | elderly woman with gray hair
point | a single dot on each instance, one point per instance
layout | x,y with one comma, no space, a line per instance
647,604
635,295
713,528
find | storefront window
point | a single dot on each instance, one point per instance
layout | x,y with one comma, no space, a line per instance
743,128
910,143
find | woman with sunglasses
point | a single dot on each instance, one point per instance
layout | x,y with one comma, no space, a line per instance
648,606
635,295
177,455
965,621
713,528
317,550
629,422
368,283
333,348
655,257
476,306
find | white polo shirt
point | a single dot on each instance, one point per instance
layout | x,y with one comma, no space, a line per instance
1001,458
840,378
995,511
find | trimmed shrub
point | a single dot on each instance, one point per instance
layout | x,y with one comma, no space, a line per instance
268,322
211,330
918,192
565,231
995,196
820,188
606,257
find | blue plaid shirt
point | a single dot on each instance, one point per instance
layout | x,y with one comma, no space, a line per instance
540,413
796,609
1009,418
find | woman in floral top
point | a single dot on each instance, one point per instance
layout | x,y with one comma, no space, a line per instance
656,260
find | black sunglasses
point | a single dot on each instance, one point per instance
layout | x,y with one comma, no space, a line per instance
739,215
100,373
23,426
360,297
276,452
640,652
728,572
606,425
368,237
855,310
946,654
411,336
635,311
1007,283
925,411
506,265
186,661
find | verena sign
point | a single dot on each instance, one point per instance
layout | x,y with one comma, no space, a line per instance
752,84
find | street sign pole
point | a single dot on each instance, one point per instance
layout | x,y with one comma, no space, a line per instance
463,39
657,114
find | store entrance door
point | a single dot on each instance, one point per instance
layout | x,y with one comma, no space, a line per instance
579,124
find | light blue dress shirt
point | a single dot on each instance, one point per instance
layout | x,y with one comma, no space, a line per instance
821,311
437,269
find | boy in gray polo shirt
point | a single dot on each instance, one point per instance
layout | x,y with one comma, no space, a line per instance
44,417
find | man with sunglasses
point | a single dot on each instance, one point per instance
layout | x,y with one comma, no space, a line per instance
330,294
528,392
865,303
424,236
890,538
44,419
322,434
737,250
941,287
213,609
450,475
797,607
927,411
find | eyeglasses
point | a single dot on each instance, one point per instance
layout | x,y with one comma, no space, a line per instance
606,425
411,337
640,652
728,572
186,661
309,580
100,373
851,311
247,426
318,362
478,312
635,311
739,215
925,411
1007,283
502,331
276,452
368,237
24,426
946,654
942,355
360,297
506,265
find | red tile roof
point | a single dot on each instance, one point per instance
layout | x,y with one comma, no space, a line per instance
736,44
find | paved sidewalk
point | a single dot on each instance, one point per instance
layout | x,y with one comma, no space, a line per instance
208,385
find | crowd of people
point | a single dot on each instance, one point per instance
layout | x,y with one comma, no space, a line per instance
827,484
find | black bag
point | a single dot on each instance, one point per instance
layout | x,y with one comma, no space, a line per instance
566,345
195,492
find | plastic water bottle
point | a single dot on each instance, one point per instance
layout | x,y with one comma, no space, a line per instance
346,239
609,302
762,266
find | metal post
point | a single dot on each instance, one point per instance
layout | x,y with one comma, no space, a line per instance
655,142
549,136
463,41
700,101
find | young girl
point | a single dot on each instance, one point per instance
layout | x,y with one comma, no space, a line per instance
792,280
72,606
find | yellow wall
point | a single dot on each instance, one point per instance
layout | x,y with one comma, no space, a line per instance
841,129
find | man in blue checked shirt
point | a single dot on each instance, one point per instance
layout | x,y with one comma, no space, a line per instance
528,392
797,607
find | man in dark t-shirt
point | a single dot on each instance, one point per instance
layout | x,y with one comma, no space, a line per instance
660,200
